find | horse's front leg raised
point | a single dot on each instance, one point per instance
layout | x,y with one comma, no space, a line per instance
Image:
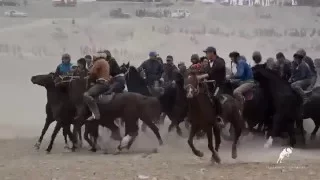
193,131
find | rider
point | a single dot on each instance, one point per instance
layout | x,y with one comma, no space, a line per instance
65,67
81,63
183,69
244,74
257,58
153,69
100,74
169,70
301,77
196,65
312,67
118,81
88,59
283,66
216,72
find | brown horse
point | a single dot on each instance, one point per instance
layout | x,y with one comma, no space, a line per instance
202,116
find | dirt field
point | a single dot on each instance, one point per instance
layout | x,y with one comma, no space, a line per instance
174,161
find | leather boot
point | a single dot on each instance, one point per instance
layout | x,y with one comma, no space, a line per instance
94,109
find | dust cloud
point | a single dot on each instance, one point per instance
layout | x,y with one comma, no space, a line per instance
33,45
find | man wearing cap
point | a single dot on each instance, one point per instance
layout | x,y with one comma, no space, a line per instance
118,81
65,67
216,72
312,67
301,77
152,68
244,74
100,74
283,66
169,70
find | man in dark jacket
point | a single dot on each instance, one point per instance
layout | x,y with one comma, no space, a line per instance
257,58
301,78
310,63
217,66
283,66
152,68
169,70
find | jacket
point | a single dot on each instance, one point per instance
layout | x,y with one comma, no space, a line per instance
244,72
153,70
217,71
63,69
301,72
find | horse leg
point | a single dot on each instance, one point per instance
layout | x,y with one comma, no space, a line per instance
115,131
80,137
193,131
86,135
236,136
214,155
275,129
162,118
299,123
217,137
154,129
315,130
54,134
71,137
292,135
43,132
131,129
65,135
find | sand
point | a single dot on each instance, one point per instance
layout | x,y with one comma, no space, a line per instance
33,45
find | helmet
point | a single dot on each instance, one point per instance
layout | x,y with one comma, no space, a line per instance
195,56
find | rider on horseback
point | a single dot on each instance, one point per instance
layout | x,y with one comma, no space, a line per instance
65,67
169,70
118,81
100,74
152,68
301,76
244,75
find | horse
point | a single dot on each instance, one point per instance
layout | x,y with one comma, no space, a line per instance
285,102
127,106
202,116
255,107
58,108
135,83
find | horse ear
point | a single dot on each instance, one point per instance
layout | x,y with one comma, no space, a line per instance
128,64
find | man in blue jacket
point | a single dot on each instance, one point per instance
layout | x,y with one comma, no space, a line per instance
65,67
244,75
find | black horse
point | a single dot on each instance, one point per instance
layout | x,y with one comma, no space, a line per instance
58,108
130,107
285,102
135,83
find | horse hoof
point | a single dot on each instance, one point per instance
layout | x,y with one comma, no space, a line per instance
93,150
48,151
37,146
216,158
117,152
160,142
199,154
234,155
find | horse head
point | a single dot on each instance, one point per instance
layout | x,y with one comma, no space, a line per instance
124,68
192,85
44,80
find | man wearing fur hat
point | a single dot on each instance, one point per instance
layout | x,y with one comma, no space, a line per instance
100,74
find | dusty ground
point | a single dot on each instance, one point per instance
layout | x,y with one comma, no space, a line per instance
22,104
174,161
